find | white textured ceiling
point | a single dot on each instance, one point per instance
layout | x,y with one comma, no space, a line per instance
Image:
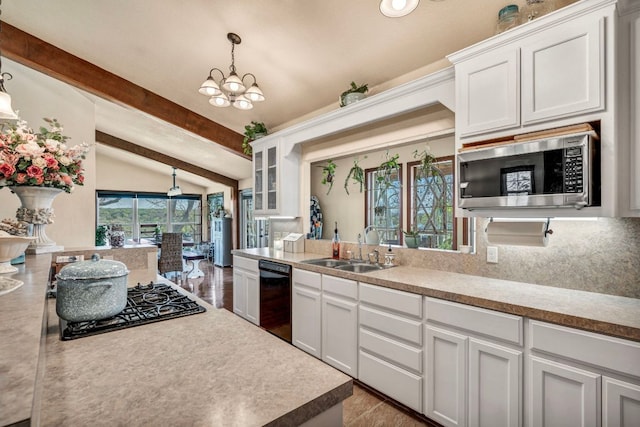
304,53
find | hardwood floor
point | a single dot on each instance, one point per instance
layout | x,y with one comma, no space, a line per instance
366,407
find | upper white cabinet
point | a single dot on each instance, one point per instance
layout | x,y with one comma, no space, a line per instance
629,107
488,93
563,70
276,179
544,71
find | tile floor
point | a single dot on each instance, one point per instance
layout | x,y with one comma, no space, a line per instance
365,408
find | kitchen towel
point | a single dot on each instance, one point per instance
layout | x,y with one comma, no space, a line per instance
518,233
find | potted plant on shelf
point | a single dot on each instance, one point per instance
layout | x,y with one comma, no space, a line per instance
353,94
252,131
411,238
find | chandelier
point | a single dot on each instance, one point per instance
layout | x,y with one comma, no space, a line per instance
174,190
231,90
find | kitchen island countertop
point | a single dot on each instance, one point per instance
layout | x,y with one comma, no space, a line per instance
606,314
212,368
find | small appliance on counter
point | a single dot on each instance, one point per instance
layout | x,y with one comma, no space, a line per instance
294,242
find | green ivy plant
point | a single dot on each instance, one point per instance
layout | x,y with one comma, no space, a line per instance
251,132
328,174
426,161
356,173
354,88
386,169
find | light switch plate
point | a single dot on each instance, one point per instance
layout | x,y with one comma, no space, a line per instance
492,254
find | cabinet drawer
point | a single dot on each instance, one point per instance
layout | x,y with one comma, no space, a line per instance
392,351
599,350
246,263
393,381
339,286
309,279
390,324
392,299
494,324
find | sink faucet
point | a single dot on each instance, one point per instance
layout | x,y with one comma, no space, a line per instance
376,254
359,257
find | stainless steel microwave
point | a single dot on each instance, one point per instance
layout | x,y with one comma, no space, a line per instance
545,173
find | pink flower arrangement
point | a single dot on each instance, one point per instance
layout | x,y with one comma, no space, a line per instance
40,159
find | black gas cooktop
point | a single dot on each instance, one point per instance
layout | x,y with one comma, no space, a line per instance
145,304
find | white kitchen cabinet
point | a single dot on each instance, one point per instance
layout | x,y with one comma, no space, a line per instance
495,385
621,407
390,357
306,312
629,108
488,93
340,324
276,184
571,377
473,365
446,376
543,72
562,395
246,289
563,70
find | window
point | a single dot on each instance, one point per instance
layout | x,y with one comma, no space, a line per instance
384,205
180,214
431,204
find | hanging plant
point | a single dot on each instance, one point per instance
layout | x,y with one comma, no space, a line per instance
356,173
387,169
328,174
426,162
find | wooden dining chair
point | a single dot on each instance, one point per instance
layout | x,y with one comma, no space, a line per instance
170,254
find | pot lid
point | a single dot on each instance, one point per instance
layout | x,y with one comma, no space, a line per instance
93,269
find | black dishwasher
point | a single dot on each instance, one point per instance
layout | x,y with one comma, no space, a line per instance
275,298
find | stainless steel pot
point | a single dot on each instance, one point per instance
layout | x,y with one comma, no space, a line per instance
91,290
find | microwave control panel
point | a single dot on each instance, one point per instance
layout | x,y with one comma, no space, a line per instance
573,170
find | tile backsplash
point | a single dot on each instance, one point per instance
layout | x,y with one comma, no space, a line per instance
601,255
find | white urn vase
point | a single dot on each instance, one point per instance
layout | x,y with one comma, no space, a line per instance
36,210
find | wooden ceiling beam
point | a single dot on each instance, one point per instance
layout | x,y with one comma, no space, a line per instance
35,53
112,141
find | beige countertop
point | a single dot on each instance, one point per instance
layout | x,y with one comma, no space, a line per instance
601,313
21,321
212,368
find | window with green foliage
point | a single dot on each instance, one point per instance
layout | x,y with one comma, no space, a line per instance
384,205
179,214
431,211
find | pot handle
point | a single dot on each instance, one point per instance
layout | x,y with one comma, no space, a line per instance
99,285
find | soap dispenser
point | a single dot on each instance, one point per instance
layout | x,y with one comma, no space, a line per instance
335,244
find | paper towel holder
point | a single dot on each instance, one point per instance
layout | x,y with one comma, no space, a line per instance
547,230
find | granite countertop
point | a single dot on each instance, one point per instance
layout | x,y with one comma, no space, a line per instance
207,369
594,312
21,325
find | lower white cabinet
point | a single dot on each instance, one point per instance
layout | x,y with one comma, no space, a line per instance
340,324
306,311
390,356
246,289
472,376
562,395
621,403
445,376
577,387
495,385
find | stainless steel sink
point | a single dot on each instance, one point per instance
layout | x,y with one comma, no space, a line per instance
326,262
360,268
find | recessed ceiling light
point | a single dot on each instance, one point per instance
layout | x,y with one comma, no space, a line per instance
397,8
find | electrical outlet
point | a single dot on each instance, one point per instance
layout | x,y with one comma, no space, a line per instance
492,254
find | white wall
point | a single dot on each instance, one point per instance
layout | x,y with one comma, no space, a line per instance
37,96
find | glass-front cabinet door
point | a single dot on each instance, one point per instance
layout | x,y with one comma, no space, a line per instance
257,183
272,178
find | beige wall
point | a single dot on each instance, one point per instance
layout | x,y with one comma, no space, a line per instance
36,96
